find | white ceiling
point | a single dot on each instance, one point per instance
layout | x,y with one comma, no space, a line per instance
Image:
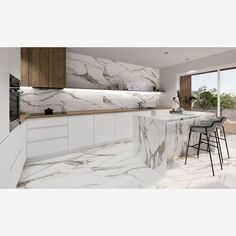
153,57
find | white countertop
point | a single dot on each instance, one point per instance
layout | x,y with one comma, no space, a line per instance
165,115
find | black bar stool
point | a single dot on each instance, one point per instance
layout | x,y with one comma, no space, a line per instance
220,126
208,130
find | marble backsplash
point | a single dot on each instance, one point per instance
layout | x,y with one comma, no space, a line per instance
95,73
37,100
89,72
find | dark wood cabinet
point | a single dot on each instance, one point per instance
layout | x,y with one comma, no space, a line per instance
24,66
57,65
43,67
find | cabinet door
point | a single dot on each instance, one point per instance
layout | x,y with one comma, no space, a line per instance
124,125
81,131
57,67
4,92
15,65
104,125
39,67
24,66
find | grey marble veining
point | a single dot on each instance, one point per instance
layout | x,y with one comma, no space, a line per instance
197,173
114,166
88,72
95,73
37,100
109,166
160,136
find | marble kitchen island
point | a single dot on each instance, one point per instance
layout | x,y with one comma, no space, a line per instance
160,136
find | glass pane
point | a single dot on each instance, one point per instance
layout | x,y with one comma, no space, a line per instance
204,91
228,100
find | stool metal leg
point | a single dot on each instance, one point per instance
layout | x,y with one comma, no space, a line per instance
226,144
217,135
218,149
199,144
189,136
209,149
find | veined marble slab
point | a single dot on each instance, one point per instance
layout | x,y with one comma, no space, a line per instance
160,136
107,166
65,100
89,72
95,73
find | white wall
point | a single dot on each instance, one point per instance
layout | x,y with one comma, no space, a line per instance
169,77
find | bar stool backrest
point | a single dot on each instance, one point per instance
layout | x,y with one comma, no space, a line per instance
221,121
212,127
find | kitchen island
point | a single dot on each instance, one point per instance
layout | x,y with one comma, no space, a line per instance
160,136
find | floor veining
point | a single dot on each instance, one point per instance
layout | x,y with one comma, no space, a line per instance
114,166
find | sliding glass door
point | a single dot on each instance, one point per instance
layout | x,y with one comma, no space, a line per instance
228,99
216,92
205,92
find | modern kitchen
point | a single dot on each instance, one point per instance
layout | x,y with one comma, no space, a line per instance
117,118
109,118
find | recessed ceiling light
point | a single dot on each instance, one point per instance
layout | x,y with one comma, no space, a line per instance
166,53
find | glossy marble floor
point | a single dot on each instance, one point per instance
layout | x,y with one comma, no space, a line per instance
113,166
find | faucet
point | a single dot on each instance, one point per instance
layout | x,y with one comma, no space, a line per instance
140,105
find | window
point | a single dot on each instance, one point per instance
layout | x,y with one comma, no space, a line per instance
204,91
208,93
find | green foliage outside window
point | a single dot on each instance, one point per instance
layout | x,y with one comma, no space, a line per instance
207,99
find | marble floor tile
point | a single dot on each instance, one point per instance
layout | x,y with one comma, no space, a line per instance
114,166
109,166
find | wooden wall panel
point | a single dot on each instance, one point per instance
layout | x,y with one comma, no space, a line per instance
186,91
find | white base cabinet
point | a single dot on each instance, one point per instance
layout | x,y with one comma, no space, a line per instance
124,125
49,136
46,136
104,128
81,131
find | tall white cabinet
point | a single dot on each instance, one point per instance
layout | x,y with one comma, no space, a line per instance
12,144
4,92
9,64
15,62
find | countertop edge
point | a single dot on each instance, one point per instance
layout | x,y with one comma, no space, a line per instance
25,116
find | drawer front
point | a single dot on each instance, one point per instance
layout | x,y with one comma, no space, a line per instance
46,122
46,147
46,133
